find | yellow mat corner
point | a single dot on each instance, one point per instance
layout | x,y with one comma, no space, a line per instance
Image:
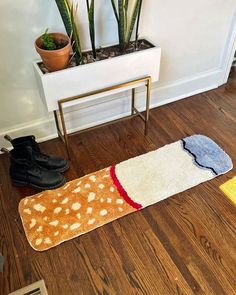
229,189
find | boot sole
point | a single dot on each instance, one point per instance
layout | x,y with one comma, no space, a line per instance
23,183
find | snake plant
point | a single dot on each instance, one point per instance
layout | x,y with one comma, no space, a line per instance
90,11
75,33
126,24
67,13
137,24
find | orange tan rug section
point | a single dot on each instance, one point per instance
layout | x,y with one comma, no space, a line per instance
52,217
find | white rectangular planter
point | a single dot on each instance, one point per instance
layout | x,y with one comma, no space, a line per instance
97,75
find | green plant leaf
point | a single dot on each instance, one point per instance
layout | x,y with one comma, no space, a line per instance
121,24
90,10
135,12
64,9
126,25
75,34
67,14
48,41
137,24
126,6
115,10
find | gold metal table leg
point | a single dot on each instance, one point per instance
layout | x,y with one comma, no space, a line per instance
63,123
57,123
132,101
63,134
147,104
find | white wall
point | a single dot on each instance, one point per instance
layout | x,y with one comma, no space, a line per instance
192,35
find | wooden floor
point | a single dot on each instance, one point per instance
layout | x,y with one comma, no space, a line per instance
183,245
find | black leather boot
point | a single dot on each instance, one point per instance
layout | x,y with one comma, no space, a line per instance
25,171
49,162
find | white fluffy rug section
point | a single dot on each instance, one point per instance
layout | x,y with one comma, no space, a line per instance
157,175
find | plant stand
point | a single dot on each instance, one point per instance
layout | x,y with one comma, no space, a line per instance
60,120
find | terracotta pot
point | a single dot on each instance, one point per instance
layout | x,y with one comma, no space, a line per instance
58,59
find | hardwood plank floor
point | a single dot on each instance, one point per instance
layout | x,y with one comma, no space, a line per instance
183,245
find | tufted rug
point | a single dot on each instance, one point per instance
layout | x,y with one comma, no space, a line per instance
229,189
52,217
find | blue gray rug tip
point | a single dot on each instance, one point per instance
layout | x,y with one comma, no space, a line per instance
207,154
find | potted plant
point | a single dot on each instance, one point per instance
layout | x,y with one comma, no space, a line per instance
54,49
104,66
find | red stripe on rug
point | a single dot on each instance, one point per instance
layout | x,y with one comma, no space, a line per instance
121,190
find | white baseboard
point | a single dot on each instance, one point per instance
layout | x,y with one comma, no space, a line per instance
114,107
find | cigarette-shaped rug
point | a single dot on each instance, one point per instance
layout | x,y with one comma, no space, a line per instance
52,217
